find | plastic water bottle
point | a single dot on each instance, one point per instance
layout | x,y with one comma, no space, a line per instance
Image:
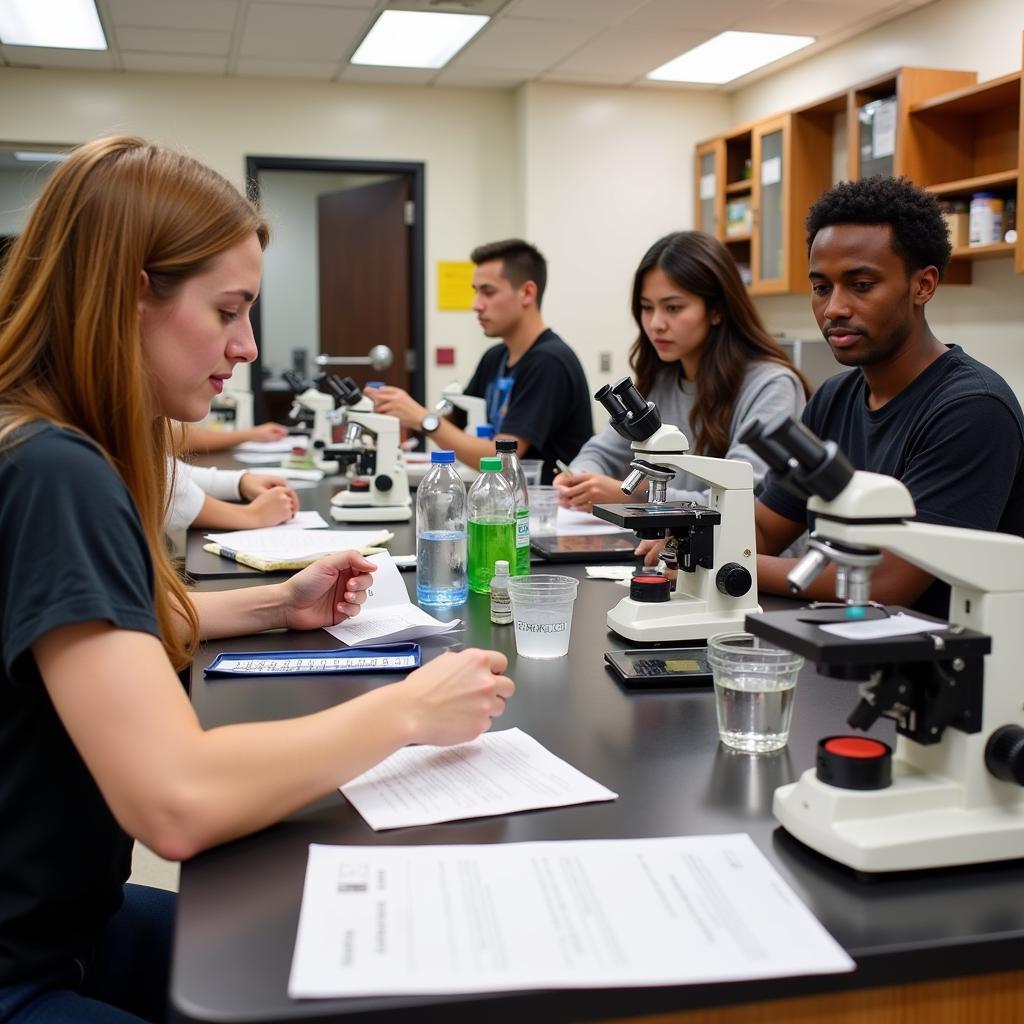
441,534
492,524
512,471
486,432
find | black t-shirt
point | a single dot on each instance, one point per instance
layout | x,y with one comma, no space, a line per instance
72,549
549,402
954,437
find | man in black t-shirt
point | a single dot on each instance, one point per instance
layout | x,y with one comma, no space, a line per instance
533,383
926,413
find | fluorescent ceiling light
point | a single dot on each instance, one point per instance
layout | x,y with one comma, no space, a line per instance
33,157
59,24
727,56
417,39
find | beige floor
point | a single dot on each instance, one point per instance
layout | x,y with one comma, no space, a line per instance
149,869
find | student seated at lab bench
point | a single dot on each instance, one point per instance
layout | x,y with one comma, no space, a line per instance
911,407
534,386
142,265
703,357
203,497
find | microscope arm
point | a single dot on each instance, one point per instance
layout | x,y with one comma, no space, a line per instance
976,559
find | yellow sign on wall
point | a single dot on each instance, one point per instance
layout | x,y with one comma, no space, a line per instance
454,284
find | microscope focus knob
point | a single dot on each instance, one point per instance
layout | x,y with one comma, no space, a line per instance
733,579
1004,754
384,483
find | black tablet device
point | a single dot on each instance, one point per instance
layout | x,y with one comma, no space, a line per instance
588,547
661,668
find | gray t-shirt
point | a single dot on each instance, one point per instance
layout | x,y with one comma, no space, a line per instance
767,389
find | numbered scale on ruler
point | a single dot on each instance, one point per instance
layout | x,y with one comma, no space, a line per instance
382,658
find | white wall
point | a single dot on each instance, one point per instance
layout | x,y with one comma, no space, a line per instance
18,189
987,317
466,138
606,172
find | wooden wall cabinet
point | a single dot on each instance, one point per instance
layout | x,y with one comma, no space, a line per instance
940,128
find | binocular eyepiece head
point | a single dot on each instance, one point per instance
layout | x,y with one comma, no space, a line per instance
344,390
632,416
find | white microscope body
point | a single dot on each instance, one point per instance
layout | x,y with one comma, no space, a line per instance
325,418
475,408
716,587
379,490
957,789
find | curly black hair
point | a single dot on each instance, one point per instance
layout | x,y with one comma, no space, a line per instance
919,234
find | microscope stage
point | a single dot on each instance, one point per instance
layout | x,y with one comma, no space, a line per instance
670,515
799,630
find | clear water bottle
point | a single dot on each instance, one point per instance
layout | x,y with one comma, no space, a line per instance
486,432
512,471
492,524
441,534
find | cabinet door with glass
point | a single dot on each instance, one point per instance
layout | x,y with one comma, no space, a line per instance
709,178
770,241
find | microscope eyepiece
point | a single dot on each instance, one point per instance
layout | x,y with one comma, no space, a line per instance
632,416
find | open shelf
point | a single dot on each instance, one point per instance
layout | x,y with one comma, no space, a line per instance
733,188
745,237
978,183
993,251
975,99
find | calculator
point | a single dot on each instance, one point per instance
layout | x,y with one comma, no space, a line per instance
661,668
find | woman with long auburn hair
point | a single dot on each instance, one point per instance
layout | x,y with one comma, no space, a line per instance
123,305
703,357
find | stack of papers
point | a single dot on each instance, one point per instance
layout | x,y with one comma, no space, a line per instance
284,444
388,615
498,773
273,548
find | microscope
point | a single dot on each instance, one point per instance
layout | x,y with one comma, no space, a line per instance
711,545
317,409
379,486
471,410
951,793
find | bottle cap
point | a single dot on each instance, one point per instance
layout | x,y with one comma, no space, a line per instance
486,431
442,456
854,762
501,567
490,464
505,445
375,383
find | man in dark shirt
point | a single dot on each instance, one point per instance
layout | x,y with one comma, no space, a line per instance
533,383
926,413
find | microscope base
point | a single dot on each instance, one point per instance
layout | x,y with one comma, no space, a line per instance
674,620
371,513
918,822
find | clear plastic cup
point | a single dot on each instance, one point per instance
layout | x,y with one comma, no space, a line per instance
543,509
542,614
754,688
532,470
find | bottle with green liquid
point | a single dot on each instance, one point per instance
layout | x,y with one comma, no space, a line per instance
512,471
491,533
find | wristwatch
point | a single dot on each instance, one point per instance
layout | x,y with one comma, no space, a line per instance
430,423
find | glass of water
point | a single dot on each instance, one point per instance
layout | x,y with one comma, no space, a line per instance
754,688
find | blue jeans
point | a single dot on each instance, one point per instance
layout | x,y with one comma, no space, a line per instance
122,981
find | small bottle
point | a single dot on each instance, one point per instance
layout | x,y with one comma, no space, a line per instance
512,471
441,534
492,524
501,603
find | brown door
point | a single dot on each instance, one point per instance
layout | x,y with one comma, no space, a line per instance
365,268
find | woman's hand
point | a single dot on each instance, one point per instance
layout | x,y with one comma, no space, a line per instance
271,507
455,697
265,432
326,592
582,491
252,485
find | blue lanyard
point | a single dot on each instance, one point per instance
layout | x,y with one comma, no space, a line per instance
499,393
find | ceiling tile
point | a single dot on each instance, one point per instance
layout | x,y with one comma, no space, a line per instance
705,17
523,44
302,32
181,63
632,52
596,13
202,15
588,77
801,17
267,66
164,40
482,78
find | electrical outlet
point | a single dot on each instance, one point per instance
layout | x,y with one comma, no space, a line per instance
605,361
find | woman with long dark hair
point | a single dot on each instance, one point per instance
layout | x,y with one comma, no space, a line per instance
703,356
